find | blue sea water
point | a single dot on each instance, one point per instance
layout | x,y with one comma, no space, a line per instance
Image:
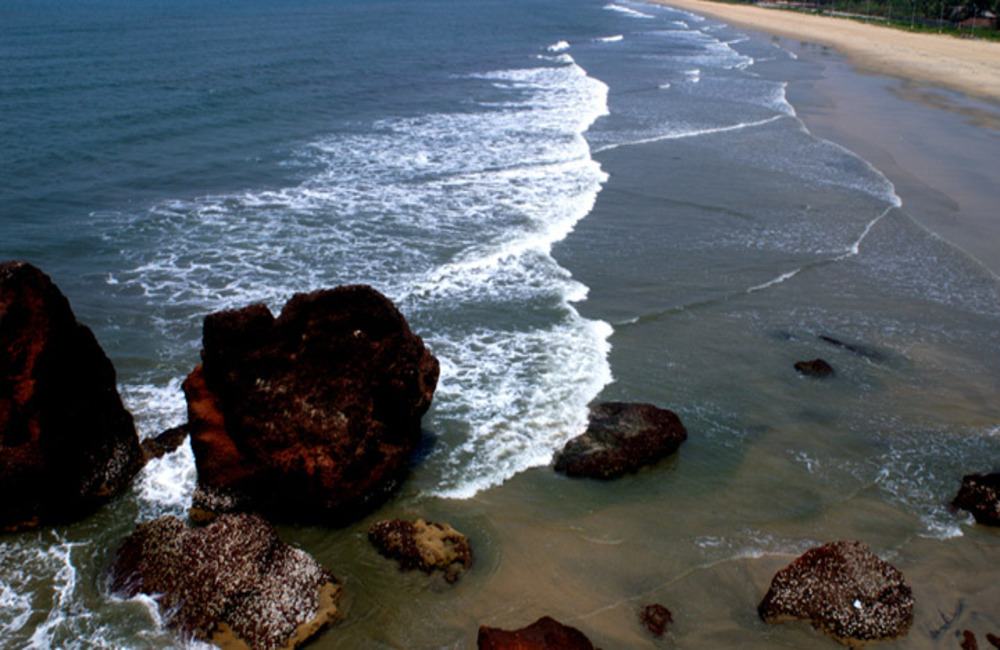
164,160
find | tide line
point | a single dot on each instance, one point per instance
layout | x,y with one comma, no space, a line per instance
692,134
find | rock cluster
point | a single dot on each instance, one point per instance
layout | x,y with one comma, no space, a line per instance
313,415
980,495
544,634
844,590
621,438
67,444
425,545
232,581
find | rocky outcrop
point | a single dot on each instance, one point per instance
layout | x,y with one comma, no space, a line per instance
621,438
815,368
230,582
656,618
311,416
425,545
544,634
980,495
844,590
67,444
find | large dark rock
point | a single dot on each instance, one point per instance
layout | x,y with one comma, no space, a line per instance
67,444
844,590
544,634
621,438
311,416
425,545
980,495
232,581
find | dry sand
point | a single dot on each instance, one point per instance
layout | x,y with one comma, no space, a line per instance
968,66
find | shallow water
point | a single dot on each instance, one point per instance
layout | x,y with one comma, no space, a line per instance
567,201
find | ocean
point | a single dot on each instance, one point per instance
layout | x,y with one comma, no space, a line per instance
569,200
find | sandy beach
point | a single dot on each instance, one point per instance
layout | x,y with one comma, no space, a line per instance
965,65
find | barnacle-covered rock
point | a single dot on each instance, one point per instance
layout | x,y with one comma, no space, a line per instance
425,545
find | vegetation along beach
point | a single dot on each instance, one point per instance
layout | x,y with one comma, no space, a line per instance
361,271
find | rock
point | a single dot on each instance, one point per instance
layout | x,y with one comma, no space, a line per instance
67,444
311,416
815,368
993,639
969,641
860,350
424,545
980,495
232,581
164,443
656,618
621,438
844,590
545,633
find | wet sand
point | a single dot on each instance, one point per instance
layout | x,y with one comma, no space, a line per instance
924,110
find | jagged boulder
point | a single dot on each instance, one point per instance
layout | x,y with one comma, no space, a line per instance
621,438
544,634
228,583
844,590
311,416
980,495
67,444
425,545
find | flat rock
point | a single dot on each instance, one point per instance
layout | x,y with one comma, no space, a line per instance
814,368
621,438
232,582
67,444
425,545
980,495
544,634
311,416
844,590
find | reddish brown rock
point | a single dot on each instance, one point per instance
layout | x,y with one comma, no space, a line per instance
980,495
311,416
844,590
230,582
425,545
815,368
656,618
621,438
67,444
969,641
544,634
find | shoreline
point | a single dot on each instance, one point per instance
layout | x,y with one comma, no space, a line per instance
934,138
967,66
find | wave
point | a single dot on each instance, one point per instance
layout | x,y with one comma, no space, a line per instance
634,13
676,135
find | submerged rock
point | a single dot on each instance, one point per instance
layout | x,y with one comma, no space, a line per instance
67,444
621,438
815,368
544,634
844,590
425,545
980,495
656,618
311,416
230,582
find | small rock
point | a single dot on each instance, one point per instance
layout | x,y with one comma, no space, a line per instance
980,495
544,634
844,590
424,545
656,618
815,368
164,443
994,640
230,582
621,438
969,641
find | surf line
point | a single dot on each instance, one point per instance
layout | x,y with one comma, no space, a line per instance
691,134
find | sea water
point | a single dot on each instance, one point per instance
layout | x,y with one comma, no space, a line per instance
568,200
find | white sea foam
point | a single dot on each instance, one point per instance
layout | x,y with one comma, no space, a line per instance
692,133
561,46
628,11
612,39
